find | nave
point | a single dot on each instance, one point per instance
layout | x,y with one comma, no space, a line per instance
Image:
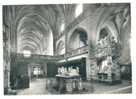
67,48
40,87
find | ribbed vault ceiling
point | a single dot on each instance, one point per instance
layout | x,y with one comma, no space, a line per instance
37,25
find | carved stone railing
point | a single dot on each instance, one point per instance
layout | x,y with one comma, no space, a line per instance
37,57
77,51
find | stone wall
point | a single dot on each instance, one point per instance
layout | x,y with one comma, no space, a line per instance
104,17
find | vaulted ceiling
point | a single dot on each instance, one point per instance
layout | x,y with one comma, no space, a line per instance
37,25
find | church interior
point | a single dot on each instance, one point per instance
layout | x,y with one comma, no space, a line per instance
67,49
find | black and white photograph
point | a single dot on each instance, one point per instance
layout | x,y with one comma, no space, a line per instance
67,49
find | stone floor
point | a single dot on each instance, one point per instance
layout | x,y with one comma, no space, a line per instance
37,87
45,86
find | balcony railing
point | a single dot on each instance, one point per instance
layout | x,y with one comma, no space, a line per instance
77,51
37,57
20,56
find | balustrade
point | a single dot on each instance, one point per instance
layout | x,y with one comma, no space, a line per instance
77,51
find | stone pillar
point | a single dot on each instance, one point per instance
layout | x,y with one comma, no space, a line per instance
93,68
10,43
13,42
92,61
6,59
88,69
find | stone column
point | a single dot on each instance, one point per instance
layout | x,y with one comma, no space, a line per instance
92,61
93,68
13,42
88,73
8,14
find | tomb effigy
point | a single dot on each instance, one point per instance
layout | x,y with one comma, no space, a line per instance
106,55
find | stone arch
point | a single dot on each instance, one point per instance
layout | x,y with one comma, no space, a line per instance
78,38
105,18
108,26
108,18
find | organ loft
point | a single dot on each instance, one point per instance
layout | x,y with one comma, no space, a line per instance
67,48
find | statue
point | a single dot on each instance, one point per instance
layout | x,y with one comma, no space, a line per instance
70,71
107,49
77,69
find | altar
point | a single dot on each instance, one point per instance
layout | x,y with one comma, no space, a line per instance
68,80
68,83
